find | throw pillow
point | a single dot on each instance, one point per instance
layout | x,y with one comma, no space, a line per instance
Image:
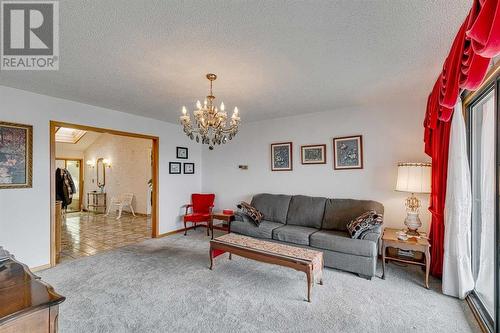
363,223
254,214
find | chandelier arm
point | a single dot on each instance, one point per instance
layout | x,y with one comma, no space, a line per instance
230,129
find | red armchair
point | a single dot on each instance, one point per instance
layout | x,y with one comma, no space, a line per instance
201,210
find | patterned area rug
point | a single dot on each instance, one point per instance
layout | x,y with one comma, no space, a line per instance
164,285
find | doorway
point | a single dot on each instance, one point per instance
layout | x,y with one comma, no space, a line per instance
75,169
90,220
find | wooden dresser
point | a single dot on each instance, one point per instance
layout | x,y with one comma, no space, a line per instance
27,304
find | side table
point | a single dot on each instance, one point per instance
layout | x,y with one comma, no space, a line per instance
226,218
95,201
390,239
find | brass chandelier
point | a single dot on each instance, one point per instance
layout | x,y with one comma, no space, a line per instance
210,124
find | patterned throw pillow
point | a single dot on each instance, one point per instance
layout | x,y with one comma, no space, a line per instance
252,212
363,223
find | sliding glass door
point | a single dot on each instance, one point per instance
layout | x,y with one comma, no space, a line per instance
482,116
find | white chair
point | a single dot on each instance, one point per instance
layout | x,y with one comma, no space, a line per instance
119,202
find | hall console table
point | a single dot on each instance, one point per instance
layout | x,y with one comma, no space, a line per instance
300,259
27,304
226,218
418,244
96,201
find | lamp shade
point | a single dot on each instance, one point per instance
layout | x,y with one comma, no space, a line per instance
414,177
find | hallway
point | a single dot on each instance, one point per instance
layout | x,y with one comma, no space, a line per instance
86,234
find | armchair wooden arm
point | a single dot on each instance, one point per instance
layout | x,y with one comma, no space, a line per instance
187,206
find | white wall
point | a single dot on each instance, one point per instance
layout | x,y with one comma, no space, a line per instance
130,168
25,213
390,134
65,150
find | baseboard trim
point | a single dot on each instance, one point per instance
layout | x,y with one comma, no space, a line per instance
39,268
178,231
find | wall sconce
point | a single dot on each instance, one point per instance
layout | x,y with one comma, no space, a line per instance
107,162
90,163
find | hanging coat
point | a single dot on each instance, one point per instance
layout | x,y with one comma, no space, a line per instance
65,187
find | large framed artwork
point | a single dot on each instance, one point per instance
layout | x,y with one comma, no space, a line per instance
313,154
281,156
16,155
348,152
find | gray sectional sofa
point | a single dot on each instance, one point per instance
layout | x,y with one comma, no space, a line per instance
318,223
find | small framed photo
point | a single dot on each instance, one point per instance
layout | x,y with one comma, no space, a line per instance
182,153
174,168
16,155
348,152
188,168
281,156
313,154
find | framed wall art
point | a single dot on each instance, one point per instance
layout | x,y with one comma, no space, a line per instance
348,152
281,156
313,154
16,155
182,153
174,168
189,168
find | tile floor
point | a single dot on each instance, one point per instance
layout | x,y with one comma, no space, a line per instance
87,234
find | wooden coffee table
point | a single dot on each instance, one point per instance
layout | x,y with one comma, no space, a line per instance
304,260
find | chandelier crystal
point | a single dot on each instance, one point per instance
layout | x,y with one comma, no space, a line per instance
210,125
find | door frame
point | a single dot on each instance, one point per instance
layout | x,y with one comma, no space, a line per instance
80,183
154,176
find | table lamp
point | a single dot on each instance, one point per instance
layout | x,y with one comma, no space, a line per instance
413,178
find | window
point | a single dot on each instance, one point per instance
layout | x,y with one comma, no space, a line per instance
482,127
69,135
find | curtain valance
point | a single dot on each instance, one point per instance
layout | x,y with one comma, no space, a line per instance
477,41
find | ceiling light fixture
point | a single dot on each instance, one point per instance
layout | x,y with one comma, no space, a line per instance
210,123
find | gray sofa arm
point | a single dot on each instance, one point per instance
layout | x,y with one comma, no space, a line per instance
373,235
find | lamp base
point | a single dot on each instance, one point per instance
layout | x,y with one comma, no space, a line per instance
413,222
410,232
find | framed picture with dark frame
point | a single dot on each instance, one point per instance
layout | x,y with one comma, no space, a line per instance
182,153
174,168
348,152
282,156
189,168
313,154
16,155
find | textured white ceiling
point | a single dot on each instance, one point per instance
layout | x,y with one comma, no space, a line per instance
273,58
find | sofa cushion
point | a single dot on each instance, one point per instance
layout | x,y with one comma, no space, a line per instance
273,206
339,212
339,241
247,228
306,211
293,234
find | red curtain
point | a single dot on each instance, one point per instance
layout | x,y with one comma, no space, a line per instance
477,41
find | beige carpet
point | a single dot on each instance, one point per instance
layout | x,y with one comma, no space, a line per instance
164,285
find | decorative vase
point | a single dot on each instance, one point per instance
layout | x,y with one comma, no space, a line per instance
413,222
